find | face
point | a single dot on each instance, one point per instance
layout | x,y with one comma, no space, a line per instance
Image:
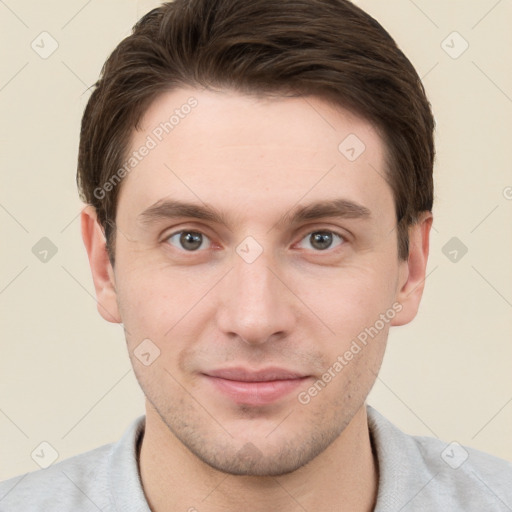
256,274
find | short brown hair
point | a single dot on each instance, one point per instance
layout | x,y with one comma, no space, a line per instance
328,48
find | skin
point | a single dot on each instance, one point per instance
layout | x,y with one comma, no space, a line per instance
296,306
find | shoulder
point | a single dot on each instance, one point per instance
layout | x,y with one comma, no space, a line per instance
71,482
468,473
105,478
420,473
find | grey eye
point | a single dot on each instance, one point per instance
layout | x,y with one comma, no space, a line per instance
188,240
321,240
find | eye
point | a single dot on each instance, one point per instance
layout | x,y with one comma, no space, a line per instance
322,240
191,241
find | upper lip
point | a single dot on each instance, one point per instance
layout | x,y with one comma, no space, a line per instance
262,375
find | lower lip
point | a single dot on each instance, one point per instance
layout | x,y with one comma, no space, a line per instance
255,393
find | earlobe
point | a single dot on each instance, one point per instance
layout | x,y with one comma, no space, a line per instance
413,271
101,268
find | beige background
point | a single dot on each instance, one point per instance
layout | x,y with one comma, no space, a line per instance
65,376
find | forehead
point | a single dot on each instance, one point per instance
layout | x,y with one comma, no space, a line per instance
240,151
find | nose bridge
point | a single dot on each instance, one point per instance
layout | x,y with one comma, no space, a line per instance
255,305
252,267
255,279
254,282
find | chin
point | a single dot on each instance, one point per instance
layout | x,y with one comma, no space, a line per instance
260,458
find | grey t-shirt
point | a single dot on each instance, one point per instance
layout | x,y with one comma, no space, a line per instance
416,474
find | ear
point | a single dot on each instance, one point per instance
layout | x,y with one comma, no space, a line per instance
101,268
412,273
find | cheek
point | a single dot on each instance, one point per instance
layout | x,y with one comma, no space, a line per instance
350,299
337,395
153,301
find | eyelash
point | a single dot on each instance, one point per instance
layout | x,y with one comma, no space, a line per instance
309,233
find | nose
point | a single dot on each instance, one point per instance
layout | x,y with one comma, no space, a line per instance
256,304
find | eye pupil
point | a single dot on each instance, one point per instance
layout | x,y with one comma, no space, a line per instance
190,240
324,239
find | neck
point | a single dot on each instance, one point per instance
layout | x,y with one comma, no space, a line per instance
343,478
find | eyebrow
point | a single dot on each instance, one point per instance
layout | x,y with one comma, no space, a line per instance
167,209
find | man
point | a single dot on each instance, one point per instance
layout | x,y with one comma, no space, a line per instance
258,178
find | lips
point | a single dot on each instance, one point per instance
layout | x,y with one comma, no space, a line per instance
255,387
263,375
